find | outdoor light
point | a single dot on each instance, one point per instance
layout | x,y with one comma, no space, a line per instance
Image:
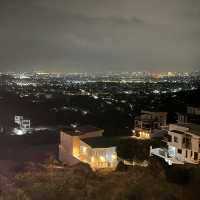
114,157
92,159
102,158
84,149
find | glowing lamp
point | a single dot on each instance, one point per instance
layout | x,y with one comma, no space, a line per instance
102,159
92,159
84,149
114,157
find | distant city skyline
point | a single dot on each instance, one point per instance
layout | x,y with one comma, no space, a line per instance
99,36
101,72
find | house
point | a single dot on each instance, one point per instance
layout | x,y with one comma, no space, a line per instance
149,123
191,116
24,125
183,144
87,144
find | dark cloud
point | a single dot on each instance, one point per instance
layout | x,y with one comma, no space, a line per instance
93,35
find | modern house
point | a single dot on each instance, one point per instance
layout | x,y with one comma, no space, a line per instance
148,123
87,144
183,145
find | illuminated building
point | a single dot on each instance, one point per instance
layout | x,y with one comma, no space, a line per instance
183,144
86,144
143,135
23,123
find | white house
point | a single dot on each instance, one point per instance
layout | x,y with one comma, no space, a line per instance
86,144
183,144
23,123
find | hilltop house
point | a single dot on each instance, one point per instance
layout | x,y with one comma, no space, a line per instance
183,145
86,144
148,123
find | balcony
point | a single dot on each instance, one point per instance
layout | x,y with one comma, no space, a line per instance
163,153
187,146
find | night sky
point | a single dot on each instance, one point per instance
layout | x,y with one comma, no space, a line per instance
99,35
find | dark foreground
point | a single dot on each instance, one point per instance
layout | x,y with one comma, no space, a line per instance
29,171
52,182
17,151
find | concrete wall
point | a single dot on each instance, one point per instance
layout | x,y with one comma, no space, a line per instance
187,154
68,148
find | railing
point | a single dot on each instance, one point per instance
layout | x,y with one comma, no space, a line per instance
165,139
165,128
187,146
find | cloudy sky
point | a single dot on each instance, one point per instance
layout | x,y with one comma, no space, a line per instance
99,35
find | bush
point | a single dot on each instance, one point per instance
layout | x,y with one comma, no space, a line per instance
137,150
156,167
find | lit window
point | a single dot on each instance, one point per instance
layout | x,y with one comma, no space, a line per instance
92,159
84,149
114,157
102,159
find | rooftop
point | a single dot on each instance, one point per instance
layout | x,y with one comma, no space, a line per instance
193,128
102,142
80,130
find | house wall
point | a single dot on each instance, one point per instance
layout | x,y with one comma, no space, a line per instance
68,148
98,157
156,120
85,152
67,158
73,150
104,158
66,141
186,154
182,118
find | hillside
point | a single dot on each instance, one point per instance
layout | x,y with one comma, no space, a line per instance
79,182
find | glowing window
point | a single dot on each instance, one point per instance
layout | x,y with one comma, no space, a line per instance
114,157
84,149
102,159
92,159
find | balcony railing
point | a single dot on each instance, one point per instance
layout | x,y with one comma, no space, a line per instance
187,146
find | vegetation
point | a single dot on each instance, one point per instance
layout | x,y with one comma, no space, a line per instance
52,182
137,150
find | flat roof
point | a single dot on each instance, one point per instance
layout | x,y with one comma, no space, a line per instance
102,142
193,128
80,130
